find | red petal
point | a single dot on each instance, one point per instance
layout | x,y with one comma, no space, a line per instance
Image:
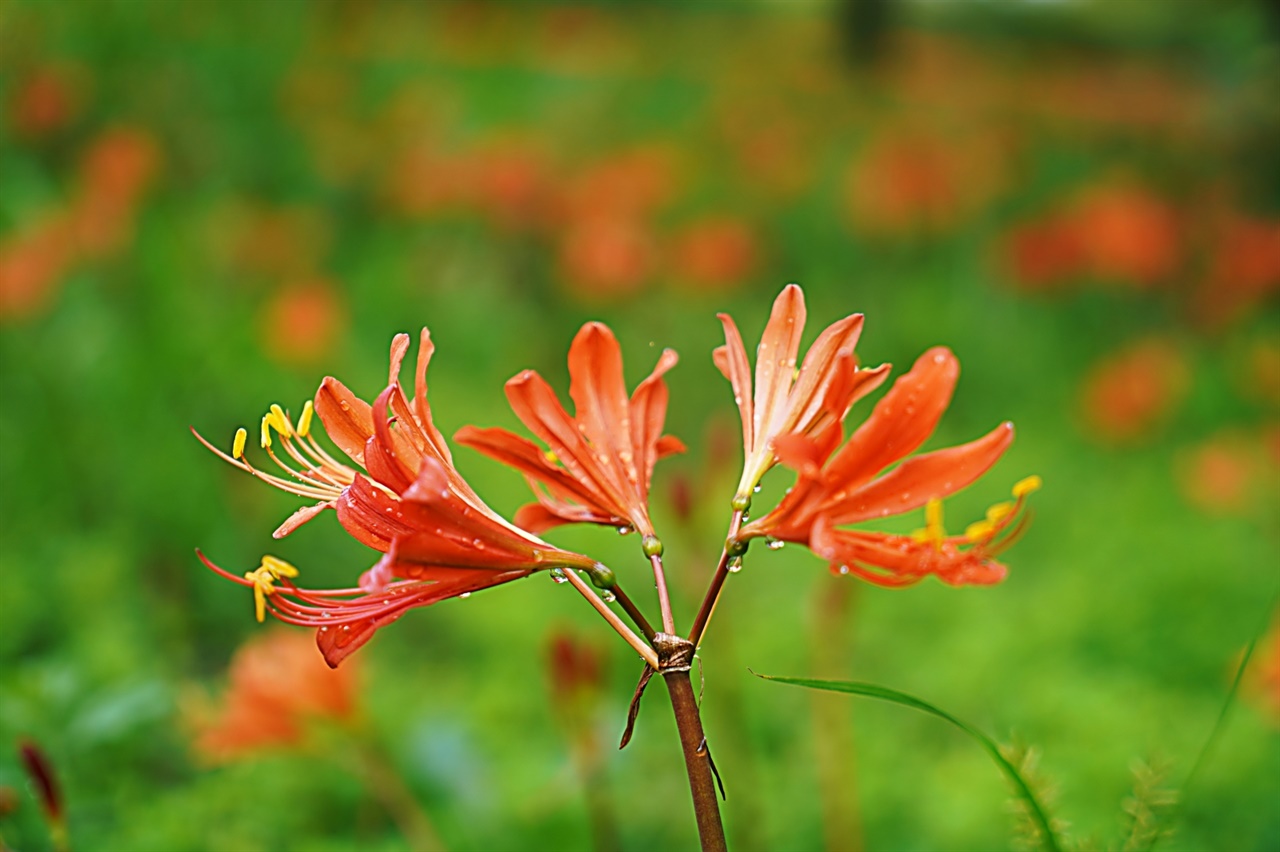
732,361
776,359
347,419
901,421
922,478
299,518
537,407
599,392
648,414
526,457
829,367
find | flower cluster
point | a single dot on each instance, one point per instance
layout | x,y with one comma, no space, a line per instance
401,494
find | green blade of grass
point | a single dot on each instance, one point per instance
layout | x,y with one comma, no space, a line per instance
871,690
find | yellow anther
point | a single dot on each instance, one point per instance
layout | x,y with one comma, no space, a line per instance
278,567
266,432
304,422
262,586
237,446
979,531
281,421
1027,486
999,512
934,532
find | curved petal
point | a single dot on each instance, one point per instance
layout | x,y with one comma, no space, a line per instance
339,641
922,478
347,419
732,361
648,414
537,407
300,517
776,360
525,456
900,422
599,393
826,376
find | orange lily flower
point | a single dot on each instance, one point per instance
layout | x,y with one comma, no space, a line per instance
809,403
850,487
599,464
404,498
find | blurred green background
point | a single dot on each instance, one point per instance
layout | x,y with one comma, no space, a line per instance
207,207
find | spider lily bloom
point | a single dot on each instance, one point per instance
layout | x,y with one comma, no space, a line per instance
850,487
599,464
438,538
808,403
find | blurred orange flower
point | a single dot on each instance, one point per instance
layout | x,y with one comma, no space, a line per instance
1229,472
114,172
604,258
629,184
45,102
300,323
32,265
1244,270
911,182
1125,396
277,685
715,253
1043,255
1128,234
1263,678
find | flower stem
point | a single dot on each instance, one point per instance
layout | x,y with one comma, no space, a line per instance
637,617
717,582
641,647
676,655
664,599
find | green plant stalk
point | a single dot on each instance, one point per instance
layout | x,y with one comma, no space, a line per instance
871,690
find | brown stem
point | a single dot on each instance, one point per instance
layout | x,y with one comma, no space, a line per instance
717,582
676,656
637,617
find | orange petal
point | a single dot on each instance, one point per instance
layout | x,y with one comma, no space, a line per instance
901,421
599,392
922,478
347,419
776,359
732,361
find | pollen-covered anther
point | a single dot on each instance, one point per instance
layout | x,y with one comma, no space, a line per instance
934,532
264,439
264,578
304,421
1027,486
281,421
237,445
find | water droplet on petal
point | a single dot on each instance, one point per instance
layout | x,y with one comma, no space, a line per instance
755,490
625,530
558,575
775,544
464,596
843,569
735,565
